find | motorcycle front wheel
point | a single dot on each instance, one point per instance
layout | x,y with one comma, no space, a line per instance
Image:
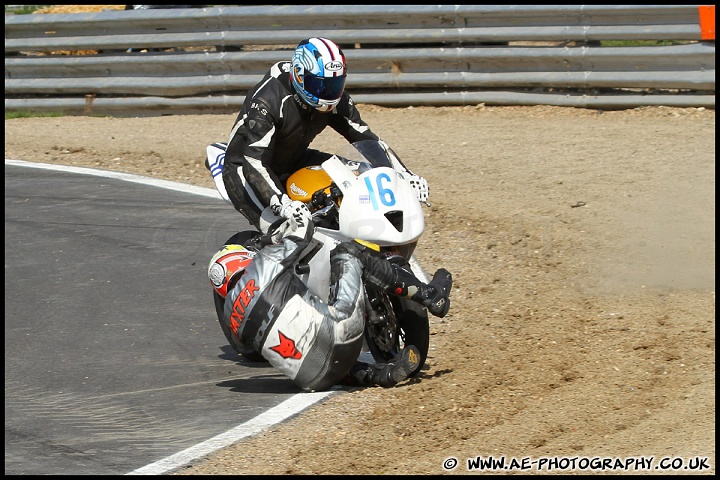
394,322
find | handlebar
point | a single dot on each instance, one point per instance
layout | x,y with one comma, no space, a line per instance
321,199
322,202
322,211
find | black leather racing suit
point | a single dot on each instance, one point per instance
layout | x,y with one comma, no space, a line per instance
270,140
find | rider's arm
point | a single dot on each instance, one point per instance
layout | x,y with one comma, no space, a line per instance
251,148
295,233
419,184
347,122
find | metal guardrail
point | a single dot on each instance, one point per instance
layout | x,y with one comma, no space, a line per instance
204,60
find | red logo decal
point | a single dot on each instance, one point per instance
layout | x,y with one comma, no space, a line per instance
241,302
286,348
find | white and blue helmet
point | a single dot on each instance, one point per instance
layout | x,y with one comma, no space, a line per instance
319,72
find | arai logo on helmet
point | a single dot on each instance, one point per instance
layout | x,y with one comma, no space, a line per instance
333,66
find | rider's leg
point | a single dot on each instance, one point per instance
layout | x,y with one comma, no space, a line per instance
345,299
399,281
242,198
385,375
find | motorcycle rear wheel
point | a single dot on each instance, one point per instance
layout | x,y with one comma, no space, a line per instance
246,238
219,306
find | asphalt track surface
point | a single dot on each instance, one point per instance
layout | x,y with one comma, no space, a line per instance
114,360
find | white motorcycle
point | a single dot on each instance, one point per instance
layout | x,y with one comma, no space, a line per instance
356,194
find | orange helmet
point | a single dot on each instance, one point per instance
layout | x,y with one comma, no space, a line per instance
226,267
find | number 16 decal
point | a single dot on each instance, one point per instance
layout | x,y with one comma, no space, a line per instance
386,195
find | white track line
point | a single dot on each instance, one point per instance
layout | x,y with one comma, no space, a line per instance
180,187
275,415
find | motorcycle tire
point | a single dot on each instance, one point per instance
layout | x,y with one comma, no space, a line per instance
408,325
219,307
240,238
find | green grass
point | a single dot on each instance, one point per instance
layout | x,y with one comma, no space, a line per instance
26,114
24,9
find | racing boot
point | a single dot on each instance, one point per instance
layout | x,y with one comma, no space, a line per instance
434,295
386,375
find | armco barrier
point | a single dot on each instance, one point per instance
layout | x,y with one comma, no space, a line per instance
203,60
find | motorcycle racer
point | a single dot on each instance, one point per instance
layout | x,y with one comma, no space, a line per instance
281,115
268,310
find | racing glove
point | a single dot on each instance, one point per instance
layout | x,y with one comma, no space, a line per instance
286,208
297,215
278,202
421,187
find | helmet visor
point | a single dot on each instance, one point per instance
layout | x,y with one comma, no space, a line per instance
324,88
